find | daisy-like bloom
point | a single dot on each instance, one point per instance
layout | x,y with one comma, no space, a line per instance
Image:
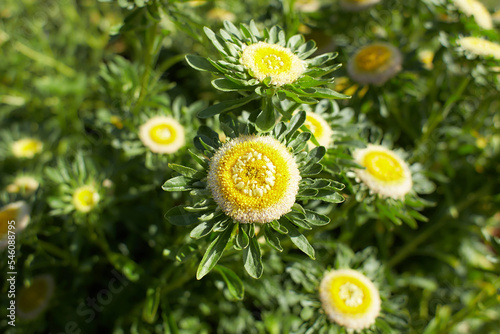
26,147
85,198
475,8
385,172
24,184
480,47
162,134
254,179
349,299
220,14
307,6
34,299
18,212
357,5
264,60
375,63
426,57
319,128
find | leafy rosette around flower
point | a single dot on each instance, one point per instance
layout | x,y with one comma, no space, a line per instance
265,65
252,180
352,296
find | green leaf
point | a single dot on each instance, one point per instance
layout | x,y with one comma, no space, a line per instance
125,265
266,119
203,229
201,160
326,93
316,219
226,106
201,64
183,170
296,122
322,59
272,239
330,198
178,183
307,49
242,239
227,85
233,282
252,259
278,227
213,253
294,42
179,217
186,251
151,305
300,142
298,238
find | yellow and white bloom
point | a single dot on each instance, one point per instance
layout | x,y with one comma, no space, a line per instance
375,63
476,9
18,212
385,173
426,57
480,47
26,147
34,299
307,6
264,60
357,5
254,179
319,128
162,134
221,15
23,184
85,198
349,299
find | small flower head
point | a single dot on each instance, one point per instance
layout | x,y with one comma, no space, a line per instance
26,147
162,134
85,198
220,14
357,5
34,299
254,179
480,47
319,128
476,9
349,299
426,57
271,60
23,184
375,63
18,212
307,6
385,172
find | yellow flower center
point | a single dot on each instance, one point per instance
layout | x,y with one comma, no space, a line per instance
253,175
383,166
372,58
254,179
85,198
314,124
163,134
349,295
6,216
271,60
33,297
26,148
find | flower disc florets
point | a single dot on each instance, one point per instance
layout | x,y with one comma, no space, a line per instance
162,134
375,63
34,299
254,179
349,298
85,198
319,128
271,60
480,47
26,147
385,172
18,212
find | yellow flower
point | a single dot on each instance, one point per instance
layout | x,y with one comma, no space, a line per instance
220,14
357,5
426,57
85,198
385,172
475,8
349,298
34,299
254,179
26,147
23,184
18,212
480,47
264,60
307,6
375,63
162,134
319,128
